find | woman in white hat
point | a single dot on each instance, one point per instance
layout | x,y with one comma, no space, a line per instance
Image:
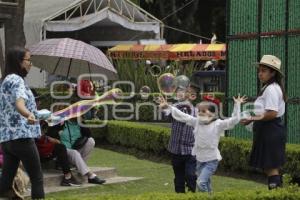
268,150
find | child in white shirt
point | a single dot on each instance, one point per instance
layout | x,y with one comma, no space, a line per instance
207,130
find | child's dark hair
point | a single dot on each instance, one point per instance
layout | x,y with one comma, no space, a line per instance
195,88
211,106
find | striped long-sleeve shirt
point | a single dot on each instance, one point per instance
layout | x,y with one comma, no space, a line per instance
182,139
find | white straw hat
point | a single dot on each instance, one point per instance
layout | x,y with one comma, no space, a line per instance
272,62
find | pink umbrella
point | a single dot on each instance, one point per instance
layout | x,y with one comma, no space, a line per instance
71,58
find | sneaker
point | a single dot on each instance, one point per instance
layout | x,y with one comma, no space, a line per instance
70,182
96,180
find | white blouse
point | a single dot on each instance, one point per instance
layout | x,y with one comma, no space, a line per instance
271,99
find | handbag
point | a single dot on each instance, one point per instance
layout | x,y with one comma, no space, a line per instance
80,142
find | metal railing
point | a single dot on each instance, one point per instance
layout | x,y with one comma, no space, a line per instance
123,7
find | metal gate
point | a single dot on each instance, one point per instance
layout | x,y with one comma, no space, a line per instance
256,28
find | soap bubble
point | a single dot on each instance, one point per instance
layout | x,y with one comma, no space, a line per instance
181,82
166,84
155,70
145,92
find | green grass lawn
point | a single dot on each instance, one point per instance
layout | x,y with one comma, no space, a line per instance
158,177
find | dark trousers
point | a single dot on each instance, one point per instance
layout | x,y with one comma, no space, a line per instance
60,152
184,167
26,151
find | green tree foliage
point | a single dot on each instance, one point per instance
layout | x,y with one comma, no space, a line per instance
199,17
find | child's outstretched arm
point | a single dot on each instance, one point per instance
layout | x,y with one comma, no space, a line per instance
177,114
235,118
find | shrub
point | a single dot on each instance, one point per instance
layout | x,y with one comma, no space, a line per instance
144,137
135,135
290,193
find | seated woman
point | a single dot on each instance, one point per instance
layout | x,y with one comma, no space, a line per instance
70,132
50,147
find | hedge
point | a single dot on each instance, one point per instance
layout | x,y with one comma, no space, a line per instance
289,193
150,138
134,135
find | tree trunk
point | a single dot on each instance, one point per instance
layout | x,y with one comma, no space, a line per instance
12,17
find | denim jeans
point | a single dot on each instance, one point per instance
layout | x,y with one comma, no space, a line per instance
204,171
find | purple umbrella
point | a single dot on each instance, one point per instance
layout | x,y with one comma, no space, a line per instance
71,58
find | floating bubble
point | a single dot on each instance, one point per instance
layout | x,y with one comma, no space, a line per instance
79,108
166,84
112,96
145,92
155,70
182,82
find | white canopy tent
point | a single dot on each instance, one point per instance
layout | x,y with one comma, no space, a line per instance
43,17
98,22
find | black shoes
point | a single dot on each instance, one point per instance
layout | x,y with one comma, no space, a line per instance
70,182
96,180
74,182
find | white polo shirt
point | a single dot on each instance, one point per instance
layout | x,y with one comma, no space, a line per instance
271,99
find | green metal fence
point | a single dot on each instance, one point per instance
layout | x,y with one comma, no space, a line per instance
293,89
273,15
242,54
294,15
244,19
275,30
293,75
274,46
293,116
